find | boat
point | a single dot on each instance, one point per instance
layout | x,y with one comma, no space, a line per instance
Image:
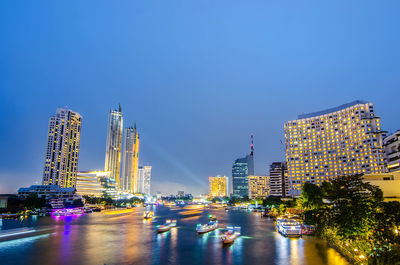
289,227
307,230
166,227
230,235
67,212
212,217
212,225
148,214
17,233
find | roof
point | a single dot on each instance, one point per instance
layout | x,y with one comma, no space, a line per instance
327,111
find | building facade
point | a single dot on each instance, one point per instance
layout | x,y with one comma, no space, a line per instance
241,169
144,179
389,183
131,160
218,186
62,153
392,151
259,187
67,195
114,145
278,179
91,183
345,140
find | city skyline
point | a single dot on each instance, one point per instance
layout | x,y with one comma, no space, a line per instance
188,84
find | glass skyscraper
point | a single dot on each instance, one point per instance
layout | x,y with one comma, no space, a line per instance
113,146
241,169
62,153
131,160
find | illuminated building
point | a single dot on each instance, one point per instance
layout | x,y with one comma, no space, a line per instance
114,144
144,179
258,187
218,186
345,140
131,160
91,183
392,151
389,183
241,169
278,179
50,192
62,151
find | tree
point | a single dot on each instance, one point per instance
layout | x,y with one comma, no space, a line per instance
311,197
34,202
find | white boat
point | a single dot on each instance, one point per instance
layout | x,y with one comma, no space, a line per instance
289,227
148,214
230,235
212,225
167,226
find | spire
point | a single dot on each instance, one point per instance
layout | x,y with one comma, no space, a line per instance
119,107
134,126
252,145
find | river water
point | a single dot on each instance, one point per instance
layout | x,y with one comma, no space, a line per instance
128,239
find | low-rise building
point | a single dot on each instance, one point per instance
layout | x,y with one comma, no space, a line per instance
391,144
389,183
258,187
50,192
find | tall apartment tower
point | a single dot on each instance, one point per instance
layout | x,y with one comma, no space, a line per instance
131,160
241,169
62,153
218,186
144,179
392,151
341,141
278,180
114,145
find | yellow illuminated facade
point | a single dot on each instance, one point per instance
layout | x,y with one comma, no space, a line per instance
258,187
131,160
346,140
62,153
90,183
218,186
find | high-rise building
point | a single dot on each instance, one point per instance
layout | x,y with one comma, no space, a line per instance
114,145
278,179
62,153
131,160
392,151
218,186
259,187
345,140
144,179
241,169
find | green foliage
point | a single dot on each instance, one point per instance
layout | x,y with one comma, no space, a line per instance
311,197
34,202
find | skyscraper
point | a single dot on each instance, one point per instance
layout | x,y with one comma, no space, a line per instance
218,186
131,160
258,187
62,153
241,169
144,179
114,145
278,180
341,141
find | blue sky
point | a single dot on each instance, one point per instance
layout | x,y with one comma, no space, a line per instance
196,76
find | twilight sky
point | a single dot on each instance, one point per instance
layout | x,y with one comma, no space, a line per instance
196,76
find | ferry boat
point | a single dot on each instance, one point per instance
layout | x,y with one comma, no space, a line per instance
289,227
212,225
166,227
212,217
308,230
230,235
148,214
67,212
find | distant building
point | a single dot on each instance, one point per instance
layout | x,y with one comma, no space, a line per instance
62,153
50,192
181,193
114,145
258,187
278,180
391,145
131,160
144,179
218,186
241,169
389,183
341,141
91,183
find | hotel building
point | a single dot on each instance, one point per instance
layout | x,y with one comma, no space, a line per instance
131,160
91,183
258,187
392,151
345,140
62,153
113,146
218,186
278,179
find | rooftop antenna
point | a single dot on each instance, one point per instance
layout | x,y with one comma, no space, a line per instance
252,145
119,107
